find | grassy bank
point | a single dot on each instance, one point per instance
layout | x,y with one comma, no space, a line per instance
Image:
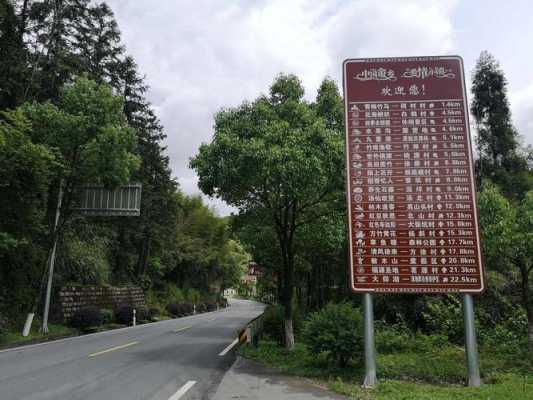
425,369
14,338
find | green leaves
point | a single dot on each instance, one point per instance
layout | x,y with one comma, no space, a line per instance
89,131
337,331
270,153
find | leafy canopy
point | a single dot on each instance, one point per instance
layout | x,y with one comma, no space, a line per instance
88,131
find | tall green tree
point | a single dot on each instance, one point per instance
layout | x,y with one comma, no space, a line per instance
12,54
498,143
27,171
274,156
508,242
91,140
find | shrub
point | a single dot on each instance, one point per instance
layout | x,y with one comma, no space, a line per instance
3,325
124,314
173,309
153,313
223,302
107,316
86,319
180,310
337,331
393,339
273,322
444,316
142,314
174,294
211,305
201,307
193,296
186,308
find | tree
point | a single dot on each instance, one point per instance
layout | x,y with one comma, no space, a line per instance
233,264
12,54
27,172
508,241
500,157
275,157
92,142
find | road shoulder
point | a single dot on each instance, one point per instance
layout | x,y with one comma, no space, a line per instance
250,380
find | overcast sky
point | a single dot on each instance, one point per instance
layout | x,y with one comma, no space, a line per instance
201,55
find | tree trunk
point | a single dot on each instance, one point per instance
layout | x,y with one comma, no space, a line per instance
530,327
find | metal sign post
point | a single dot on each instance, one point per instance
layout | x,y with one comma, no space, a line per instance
94,201
412,218
472,361
370,348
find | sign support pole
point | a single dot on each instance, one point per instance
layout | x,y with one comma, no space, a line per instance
472,360
370,352
52,259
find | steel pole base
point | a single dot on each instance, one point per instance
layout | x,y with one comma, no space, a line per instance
370,352
472,359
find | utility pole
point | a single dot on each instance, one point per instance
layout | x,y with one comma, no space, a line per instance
51,261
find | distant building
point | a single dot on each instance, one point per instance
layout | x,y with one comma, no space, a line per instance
250,278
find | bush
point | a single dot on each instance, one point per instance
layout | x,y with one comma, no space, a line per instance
223,302
107,316
173,310
187,308
337,331
444,316
174,294
273,322
193,296
3,325
180,310
124,314
201,307
86,319
154,313
211,305
142,314
394,339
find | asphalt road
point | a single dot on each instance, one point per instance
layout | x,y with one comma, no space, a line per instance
183,358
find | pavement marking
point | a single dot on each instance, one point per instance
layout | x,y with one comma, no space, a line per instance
179,394
123,346
182,329
211,319
230,346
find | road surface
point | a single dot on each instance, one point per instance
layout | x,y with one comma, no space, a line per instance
183,358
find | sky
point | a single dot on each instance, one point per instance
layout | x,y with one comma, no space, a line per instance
202,55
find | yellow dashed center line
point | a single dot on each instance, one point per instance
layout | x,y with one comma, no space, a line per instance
182,329
123,346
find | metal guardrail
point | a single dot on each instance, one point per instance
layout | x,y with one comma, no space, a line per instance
253,331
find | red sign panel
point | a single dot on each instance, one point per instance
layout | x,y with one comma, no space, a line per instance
411,198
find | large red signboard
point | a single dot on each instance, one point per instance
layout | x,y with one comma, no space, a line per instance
411,197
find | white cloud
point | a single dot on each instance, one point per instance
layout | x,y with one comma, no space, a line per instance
522,105
202,55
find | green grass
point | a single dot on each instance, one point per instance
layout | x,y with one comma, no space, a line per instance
423,371
15,338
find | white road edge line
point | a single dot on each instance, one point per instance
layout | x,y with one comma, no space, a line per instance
179,394
230,346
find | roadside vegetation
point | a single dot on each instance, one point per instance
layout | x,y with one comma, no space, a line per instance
420,338
73,112
411,364
91,320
